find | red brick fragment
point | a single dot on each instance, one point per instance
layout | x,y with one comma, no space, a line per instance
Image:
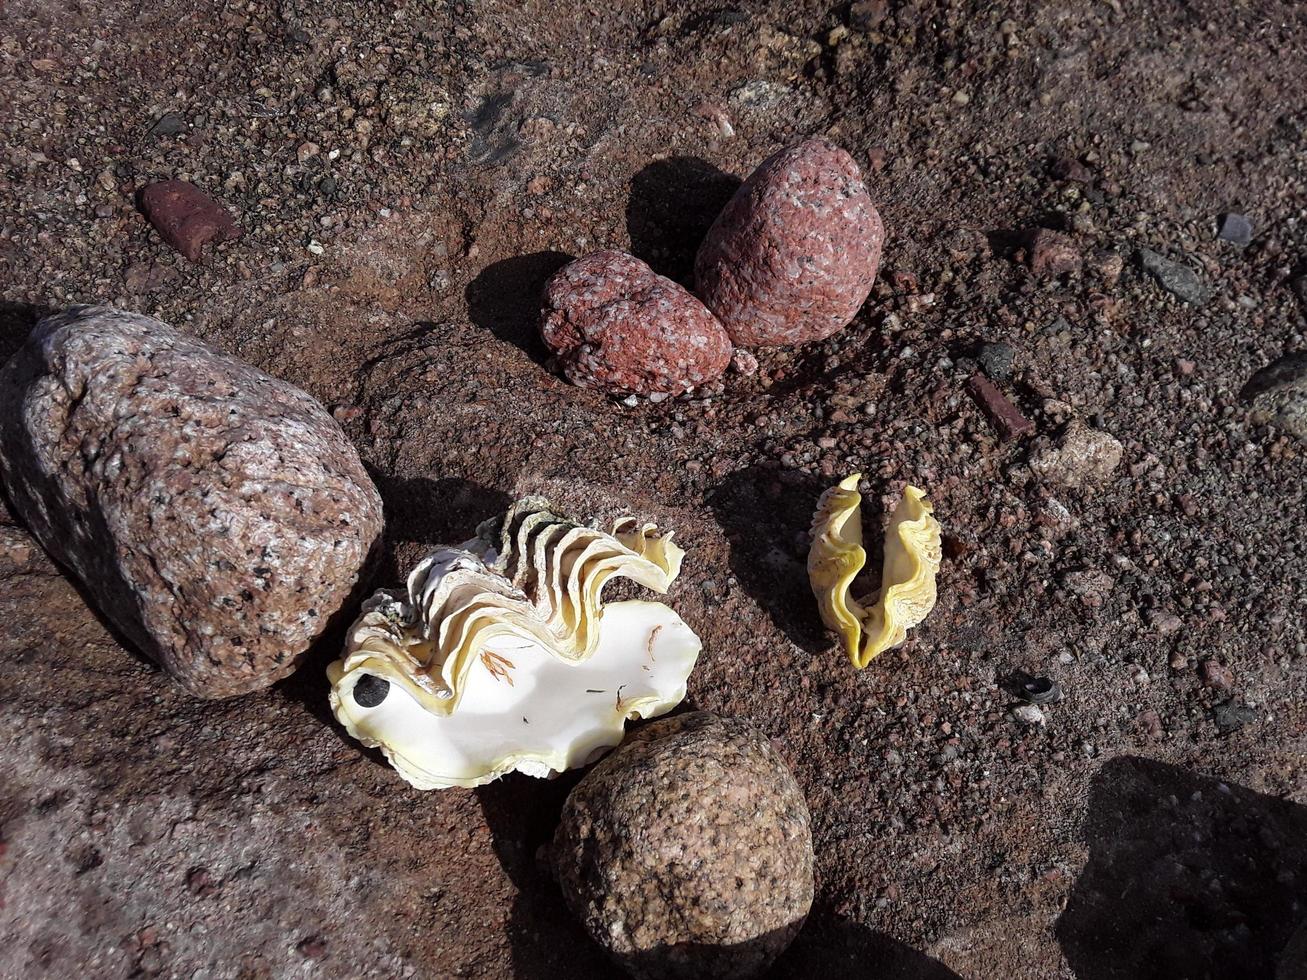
1003,415
187,218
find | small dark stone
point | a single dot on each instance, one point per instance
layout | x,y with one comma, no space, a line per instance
1278,393
996,360
1069,168
1230,716
169,124
1236,229
371,690
1175,277
866,15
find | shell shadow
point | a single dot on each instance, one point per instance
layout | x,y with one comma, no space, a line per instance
765,512
671,206
1187,877
504,299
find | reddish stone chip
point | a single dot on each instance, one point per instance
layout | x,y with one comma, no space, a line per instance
792,256
187,218
618,326
1003,415
1050,253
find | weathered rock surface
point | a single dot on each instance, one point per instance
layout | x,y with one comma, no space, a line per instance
688,851
792,256
618,326
217,516
1278,393
1083,456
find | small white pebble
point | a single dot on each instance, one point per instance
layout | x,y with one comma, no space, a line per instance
1028,714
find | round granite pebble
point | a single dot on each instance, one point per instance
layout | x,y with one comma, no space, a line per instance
688,851
618,326
792,257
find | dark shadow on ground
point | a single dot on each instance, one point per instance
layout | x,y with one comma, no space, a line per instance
766,512
16,322
431,513
671,206
505,299
836,948
522,813
1188,879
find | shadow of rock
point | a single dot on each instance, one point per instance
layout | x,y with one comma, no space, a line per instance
430,513
547,942
765,512
1187,878
505,299
830,946
16,322
671,206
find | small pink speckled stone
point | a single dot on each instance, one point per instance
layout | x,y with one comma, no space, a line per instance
792,257
618,326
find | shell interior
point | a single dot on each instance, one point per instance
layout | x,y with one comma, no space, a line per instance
495,655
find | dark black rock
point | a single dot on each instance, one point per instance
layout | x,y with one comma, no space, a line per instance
996,360
169,124
1230,716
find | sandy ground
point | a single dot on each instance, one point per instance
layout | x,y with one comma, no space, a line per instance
407,174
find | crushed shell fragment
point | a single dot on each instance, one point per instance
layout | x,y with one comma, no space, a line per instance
912,558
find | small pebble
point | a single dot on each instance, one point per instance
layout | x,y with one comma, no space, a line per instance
1028,714
1081,457
1003,415
169,124
1050,253
996,360
1231,716
1278,393
1235,229
1216,675
1176,278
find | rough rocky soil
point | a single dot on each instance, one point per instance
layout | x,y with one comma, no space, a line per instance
407,175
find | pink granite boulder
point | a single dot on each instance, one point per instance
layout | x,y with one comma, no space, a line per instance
792,256
616,325
216,515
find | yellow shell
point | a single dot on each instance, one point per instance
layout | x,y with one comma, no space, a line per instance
912,557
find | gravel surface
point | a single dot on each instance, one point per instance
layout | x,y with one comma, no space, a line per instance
406,177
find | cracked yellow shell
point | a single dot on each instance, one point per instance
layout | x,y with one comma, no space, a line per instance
501,655
907,592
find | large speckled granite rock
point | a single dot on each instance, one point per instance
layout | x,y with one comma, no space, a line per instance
688,851
217,516
618,326
792,257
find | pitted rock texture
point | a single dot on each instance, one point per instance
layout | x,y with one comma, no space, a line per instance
217,516
688,851
792,256
618,326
